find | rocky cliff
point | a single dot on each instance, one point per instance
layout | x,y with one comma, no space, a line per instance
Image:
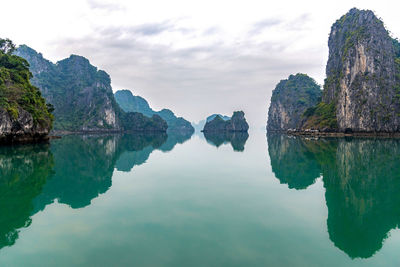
362,88
82,96
80,93
290,99
24,115
237,123
130,103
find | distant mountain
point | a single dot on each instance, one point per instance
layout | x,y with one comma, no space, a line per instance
210,118
130,103
82,96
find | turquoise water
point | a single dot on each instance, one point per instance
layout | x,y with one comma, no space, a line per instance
190,201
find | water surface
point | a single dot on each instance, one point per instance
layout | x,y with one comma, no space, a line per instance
159,200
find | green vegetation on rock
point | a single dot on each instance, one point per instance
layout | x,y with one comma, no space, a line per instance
237,123
290,98
16,91
80,93
82,96
321,116
362,89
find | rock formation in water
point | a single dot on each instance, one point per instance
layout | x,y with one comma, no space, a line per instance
289,100
130,103
24,115
237,123
199,126
80,93
82,96
362,88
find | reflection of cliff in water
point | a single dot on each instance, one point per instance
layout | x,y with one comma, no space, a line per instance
83,169
292,163
23,172
362,182
73,170
363,195
136,149
84,164
237,139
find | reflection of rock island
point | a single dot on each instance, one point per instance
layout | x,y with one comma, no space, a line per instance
136,149
24,171
237,139
291,162
362,181
74,170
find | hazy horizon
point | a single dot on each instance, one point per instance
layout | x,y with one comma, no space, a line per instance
193,58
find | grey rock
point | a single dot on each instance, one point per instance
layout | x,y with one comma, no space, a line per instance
290,99
363,80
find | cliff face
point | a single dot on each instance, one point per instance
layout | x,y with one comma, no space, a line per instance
289,101
81,95
236,124
362,88
130,103
21,129
24,115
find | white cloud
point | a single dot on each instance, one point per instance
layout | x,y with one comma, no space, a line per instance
195,57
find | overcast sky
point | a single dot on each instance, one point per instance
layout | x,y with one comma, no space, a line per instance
194,57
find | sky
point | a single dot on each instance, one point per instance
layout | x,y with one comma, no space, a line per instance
193,57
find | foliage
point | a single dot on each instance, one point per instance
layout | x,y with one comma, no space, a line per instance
134,121
77,91
321,116
396,47
6,46
17,92
306,89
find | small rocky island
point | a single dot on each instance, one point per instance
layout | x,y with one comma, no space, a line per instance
237,123
290,99
361,93
24,115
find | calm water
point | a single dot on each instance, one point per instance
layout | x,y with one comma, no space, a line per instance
232,200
